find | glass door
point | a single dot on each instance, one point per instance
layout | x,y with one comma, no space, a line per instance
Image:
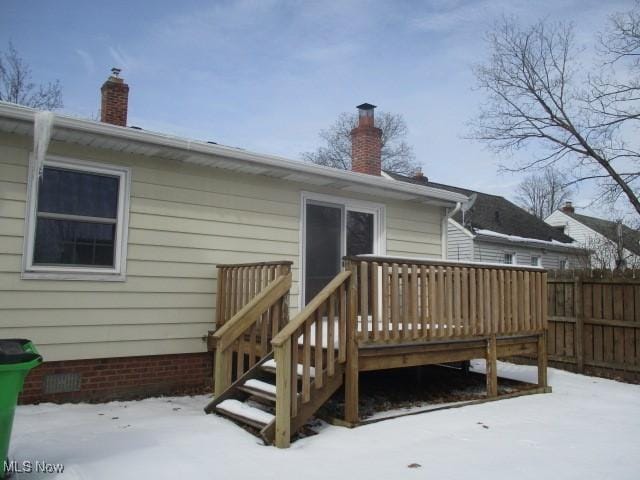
323,246
331,231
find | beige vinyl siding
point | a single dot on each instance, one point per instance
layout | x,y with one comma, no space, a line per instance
459,244
413,230
494,253
184,219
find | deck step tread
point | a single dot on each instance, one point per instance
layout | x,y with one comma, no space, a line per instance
270,366
256,384
259,389
245,413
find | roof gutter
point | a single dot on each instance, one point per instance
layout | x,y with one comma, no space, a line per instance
25,114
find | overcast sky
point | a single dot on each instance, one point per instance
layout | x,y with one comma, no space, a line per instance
267,75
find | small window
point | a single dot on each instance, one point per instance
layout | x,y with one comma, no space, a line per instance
564,264
535,261
509,258
77,223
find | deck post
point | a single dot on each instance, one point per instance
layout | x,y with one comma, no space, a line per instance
351,372
492,367
542,360
282,356
221,369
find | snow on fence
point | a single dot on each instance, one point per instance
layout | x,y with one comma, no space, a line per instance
594,321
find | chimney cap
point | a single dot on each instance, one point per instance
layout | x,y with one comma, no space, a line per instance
115,71
568,207
365,106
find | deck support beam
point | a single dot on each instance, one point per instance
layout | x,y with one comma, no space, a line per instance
542,360
351,392
492,367
283,394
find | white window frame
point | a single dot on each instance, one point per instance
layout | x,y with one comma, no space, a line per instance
566,263
514,258
69,272
538,262
346,205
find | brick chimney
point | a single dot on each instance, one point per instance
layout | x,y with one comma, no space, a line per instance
420,176
567,208
115,100
366,143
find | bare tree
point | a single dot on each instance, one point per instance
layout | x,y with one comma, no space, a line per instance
397,154
16,85
536,96
543,193
606,254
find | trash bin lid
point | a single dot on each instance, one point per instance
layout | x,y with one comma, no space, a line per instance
12,351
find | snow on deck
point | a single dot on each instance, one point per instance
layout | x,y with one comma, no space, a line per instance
587,429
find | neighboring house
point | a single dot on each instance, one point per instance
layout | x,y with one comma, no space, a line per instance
107,260
612,244
489,228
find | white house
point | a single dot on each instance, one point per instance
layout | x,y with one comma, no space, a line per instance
489,228
611,244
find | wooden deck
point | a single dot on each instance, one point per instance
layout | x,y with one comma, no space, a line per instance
379,313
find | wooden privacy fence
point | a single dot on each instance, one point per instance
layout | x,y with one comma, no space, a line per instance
253,306
408,299
594,320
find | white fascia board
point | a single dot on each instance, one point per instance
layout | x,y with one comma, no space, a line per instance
204,154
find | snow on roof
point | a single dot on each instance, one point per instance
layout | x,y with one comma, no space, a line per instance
517,239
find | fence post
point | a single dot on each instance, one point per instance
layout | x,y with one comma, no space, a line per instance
579,313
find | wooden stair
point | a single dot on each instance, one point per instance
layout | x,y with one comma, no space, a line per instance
251,400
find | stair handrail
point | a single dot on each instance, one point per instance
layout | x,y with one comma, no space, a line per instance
337,300
225,337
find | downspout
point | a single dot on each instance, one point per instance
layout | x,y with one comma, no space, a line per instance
445,227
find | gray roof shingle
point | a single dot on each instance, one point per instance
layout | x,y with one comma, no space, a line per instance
495,213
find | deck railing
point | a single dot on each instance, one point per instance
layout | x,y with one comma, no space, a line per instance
314,345
258,295
240,283
404,300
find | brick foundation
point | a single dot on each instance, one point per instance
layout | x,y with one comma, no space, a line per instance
123,378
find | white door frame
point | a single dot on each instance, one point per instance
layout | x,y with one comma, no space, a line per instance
346,205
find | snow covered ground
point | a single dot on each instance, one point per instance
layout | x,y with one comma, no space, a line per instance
588,428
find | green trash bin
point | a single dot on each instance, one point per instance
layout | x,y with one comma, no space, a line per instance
17,357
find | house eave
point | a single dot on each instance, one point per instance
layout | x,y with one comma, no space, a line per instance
531,243
19,120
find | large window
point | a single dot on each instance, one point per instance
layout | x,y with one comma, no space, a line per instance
77,221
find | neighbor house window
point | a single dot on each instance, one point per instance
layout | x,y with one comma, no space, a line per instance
509,258
535,261
77,221
564,264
